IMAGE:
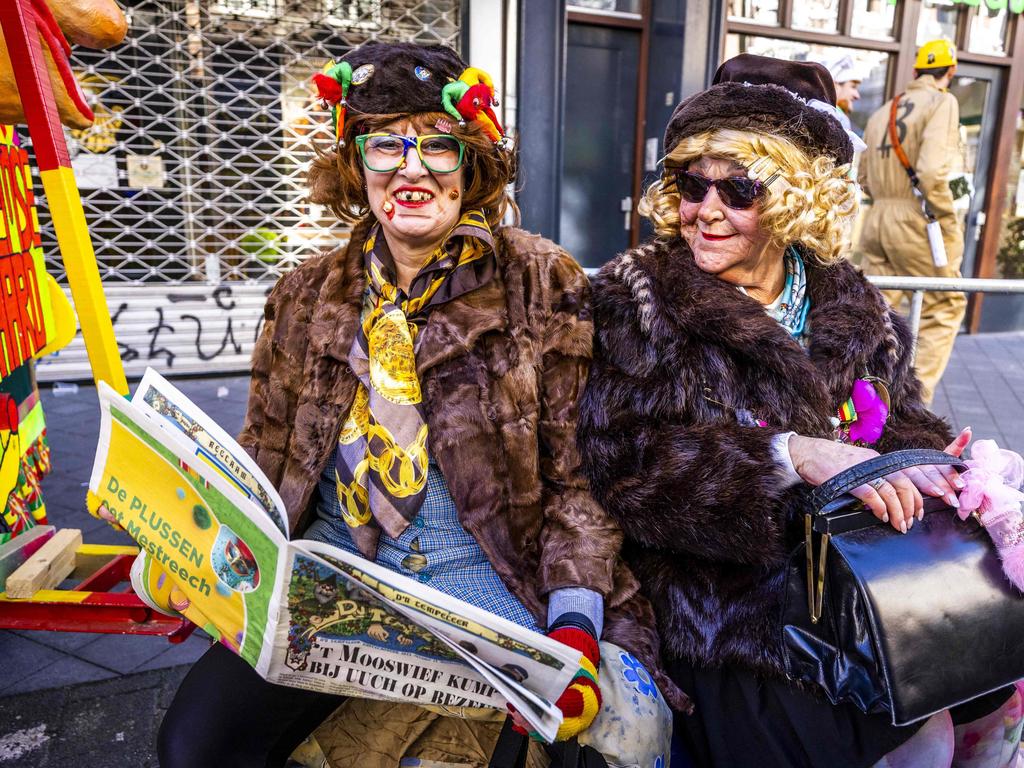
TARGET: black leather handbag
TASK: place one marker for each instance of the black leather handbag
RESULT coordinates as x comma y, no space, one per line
909,624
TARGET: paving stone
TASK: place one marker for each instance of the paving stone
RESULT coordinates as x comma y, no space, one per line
22,657
123,653
185,653
66,670
66,642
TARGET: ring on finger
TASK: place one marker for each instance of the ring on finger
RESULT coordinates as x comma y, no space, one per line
877,483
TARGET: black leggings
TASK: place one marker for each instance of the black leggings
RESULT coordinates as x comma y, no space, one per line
225,715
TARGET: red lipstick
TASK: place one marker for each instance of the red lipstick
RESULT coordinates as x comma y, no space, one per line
428,195
714,238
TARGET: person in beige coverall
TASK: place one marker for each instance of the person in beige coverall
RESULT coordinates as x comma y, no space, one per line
893,238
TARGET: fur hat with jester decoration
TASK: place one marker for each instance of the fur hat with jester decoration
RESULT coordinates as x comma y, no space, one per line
402,78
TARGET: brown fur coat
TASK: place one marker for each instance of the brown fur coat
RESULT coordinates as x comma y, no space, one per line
703,506
502,369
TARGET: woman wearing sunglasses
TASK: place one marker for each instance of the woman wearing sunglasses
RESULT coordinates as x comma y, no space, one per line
414,399
738,359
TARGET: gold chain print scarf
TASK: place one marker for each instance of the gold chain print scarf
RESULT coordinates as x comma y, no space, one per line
381,466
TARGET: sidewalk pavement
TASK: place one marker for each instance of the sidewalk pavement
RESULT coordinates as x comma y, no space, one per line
96,701
89,700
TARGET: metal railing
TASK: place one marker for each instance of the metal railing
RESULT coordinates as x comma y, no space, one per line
917,286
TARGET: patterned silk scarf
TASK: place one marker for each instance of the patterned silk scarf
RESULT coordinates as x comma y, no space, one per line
794,306
381,466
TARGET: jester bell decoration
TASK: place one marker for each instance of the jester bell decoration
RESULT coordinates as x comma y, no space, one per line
471,98
332,90
404,78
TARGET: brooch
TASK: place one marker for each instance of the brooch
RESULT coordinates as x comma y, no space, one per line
861,419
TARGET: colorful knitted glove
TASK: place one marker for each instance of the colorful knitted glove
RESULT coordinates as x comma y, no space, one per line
581,700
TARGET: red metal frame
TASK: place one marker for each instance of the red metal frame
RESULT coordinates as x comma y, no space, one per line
100,610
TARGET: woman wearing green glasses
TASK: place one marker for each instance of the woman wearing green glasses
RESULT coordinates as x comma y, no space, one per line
458,347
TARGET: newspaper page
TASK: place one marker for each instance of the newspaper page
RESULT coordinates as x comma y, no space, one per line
349,626
217,552
304,614
212,444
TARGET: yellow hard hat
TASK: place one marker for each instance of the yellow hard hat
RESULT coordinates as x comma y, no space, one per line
936,53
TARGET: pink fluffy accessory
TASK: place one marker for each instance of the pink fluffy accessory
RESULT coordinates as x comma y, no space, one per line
992,493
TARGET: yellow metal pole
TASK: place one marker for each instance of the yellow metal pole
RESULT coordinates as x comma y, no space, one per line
84,277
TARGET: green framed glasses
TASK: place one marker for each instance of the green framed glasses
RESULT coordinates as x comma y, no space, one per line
384,152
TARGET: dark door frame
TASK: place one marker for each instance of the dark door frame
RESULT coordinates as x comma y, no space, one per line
669,29
643,26
986,160
995,195
540,93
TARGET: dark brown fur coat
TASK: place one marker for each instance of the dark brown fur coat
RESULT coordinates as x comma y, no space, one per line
701,502
502,369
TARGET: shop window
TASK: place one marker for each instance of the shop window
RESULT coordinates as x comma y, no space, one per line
614,6
817,15
1010,256
938,19
757,11
873,19
874,65
988,30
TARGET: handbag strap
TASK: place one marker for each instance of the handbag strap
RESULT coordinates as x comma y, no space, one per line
877,467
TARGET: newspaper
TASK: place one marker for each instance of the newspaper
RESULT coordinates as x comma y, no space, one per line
215,548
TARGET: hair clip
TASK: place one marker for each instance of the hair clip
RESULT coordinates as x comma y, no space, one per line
761,165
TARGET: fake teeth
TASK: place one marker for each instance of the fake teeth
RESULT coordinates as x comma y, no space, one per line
408,196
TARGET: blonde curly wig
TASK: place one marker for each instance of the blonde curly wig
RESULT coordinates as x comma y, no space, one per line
815,206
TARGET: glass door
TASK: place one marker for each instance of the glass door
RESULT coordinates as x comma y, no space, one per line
602,77
977,89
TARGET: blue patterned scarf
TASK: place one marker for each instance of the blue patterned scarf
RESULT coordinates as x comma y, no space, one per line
792,312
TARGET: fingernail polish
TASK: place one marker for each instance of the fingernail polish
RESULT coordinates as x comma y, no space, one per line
959,483
920,514
910,523
903,526
935,491
952,501
885,518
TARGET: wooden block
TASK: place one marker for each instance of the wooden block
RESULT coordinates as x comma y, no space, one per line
21,548
48,567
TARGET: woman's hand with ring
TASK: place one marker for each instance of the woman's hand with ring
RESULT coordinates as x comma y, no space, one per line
939,480
896,500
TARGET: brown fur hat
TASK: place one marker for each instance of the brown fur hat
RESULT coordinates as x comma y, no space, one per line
766,95
400,78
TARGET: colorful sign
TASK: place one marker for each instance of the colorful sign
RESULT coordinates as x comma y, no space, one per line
24,297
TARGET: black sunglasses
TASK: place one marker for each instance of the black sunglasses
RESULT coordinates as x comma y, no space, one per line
737,192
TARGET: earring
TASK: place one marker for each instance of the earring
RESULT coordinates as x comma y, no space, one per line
453,194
